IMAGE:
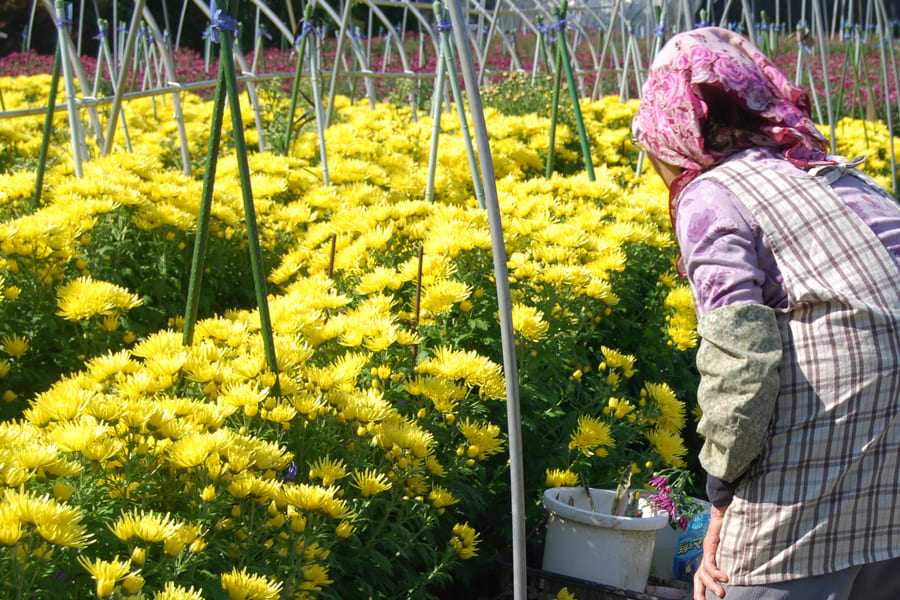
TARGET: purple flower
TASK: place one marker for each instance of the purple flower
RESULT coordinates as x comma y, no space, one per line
661,484
291,472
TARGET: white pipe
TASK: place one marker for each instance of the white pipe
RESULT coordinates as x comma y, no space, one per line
504,300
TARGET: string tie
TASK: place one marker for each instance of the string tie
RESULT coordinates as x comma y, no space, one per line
221,23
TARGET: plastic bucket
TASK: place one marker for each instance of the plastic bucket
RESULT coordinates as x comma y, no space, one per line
597,546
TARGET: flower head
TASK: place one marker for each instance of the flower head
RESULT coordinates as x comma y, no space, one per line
242,585
590,435
14,345
465,541
107,573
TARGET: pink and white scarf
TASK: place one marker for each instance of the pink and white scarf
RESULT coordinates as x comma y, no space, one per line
672,112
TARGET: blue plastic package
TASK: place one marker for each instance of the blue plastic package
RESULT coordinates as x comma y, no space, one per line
690,548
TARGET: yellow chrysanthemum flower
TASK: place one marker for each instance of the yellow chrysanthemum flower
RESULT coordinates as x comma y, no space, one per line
14,345
672,411
241,585
469,366
443,393
370,482
176,592
315,576
465,541
529,321
328,470
565,594
56,522
560,478
440,497
613,359
483,439
442,295
590,435
83,298
107,573
308,497
669,446
144,525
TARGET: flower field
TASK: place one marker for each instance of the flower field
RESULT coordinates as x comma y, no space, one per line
136,465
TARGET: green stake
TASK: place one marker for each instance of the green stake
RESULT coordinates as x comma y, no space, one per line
306,27
209,175
226,61
48,127
227,72
554,114
563,51
447,55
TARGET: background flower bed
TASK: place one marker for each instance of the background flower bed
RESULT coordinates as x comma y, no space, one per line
130,462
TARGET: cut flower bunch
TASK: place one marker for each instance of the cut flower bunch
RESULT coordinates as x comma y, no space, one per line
133,465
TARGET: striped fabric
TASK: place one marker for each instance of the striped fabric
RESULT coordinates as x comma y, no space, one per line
823,495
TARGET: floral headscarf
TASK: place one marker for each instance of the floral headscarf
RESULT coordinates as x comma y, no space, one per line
669,122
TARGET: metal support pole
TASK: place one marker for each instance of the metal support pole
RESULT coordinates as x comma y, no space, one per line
69,84
120,84
504,301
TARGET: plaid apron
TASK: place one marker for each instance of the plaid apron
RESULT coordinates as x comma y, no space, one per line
824,493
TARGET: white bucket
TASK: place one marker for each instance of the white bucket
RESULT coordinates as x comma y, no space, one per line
597,546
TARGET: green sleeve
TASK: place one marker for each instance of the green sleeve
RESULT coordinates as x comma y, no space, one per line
738,360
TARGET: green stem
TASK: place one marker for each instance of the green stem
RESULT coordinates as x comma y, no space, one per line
424,580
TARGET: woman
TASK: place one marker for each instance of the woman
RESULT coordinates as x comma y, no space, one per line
793,257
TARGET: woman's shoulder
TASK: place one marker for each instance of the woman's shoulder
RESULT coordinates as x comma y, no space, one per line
761,158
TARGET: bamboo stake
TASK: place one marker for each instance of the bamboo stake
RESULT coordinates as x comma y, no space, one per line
180,24
80,27
78,75
312,49
724,18
339,49
27,45
364,65
554,115
606,39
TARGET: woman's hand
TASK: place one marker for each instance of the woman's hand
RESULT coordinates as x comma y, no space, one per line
708,575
